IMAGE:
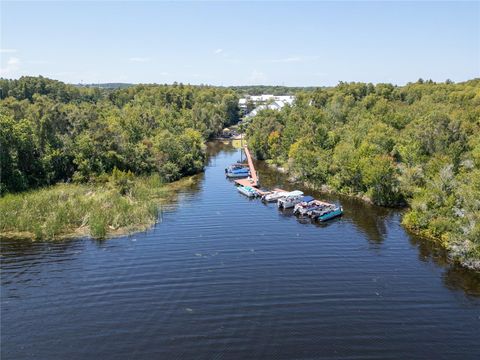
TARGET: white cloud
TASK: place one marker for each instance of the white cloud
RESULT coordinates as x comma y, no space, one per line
218,51
139,59
9,51
12,68
257,77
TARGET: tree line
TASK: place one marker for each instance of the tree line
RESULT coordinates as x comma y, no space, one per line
54,132
269,89
415,145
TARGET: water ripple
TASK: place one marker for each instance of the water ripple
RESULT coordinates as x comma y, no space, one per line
222,276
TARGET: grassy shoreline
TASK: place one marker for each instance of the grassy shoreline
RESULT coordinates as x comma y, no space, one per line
96,210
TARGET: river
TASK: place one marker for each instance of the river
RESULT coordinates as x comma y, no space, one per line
222,276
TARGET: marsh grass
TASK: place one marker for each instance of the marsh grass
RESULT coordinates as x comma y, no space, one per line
97,210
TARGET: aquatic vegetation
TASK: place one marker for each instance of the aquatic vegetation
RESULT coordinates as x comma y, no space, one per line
97,210
116,149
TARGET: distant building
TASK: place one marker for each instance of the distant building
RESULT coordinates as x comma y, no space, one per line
261,102
242,104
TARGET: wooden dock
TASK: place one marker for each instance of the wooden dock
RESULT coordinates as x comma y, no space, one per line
266,192
253,179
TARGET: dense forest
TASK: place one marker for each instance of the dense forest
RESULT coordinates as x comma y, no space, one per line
415,145
269,89
241,90
106,85
53,132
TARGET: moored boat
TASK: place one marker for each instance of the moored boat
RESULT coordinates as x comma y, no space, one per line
308,205
237,171
290,200
304,203
247,191
314,209
328,213
274,196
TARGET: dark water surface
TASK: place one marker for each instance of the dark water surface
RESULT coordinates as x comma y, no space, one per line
222,276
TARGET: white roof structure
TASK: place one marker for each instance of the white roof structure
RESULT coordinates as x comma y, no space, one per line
265,98
276,105
255,111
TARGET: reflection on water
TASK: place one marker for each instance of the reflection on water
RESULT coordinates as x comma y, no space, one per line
368,218
459,278
222,276
455,277
373,222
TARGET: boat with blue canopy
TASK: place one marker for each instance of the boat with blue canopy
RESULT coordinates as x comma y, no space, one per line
237,171
308,205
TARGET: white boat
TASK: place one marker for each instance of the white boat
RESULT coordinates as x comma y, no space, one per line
315,207
274,196
309,205
247,190
290,200
302,207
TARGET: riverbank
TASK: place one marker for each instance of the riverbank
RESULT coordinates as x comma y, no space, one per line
461,250
293,178
97,210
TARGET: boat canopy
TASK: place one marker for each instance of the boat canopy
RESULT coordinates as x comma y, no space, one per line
308,198
238,170
295,193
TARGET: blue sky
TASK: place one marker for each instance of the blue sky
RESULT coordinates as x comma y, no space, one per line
239,43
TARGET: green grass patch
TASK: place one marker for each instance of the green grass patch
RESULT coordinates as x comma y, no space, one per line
97,210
